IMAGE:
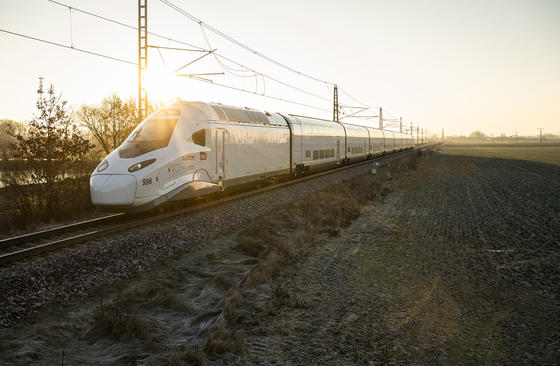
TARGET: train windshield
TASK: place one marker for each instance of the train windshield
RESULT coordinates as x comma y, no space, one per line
153,134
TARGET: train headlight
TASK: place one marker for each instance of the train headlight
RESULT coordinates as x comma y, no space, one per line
104,165
141,165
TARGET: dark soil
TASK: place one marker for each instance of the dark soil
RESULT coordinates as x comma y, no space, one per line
459,265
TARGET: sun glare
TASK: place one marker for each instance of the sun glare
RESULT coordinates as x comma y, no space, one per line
162,85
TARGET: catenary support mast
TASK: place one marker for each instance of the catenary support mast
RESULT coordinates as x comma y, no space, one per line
142,58
335,104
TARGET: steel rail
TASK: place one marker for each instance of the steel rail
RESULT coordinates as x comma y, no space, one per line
60,243
57,230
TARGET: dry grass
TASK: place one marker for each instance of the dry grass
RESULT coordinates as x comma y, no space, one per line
252,246
114,320
222,339
232,302
288,237
156,293
190,356
193,357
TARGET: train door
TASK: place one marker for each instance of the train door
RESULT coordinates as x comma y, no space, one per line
219,140
165,177
338,148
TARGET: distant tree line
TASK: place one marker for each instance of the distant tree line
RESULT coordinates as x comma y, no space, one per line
480,137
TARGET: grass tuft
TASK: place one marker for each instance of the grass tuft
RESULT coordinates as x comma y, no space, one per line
114,320
223,340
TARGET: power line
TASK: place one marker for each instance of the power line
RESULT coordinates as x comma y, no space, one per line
197,47
259,94
133,63
247,48
260,73
354,99
69,47
217,55
251,50
123,24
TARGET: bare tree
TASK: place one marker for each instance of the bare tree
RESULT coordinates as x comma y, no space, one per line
110,122
8,129
51,145
477,135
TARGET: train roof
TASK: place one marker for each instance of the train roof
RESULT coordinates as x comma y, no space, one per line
221,112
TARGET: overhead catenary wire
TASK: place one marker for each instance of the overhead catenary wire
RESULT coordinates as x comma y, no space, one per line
122,24
217,55
135,64
249,49
259,94
354,99
193,46
242,45
69,47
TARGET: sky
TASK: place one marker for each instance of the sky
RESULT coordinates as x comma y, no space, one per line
490,65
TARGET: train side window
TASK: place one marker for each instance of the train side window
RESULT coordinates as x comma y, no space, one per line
307,154
315,154
321,154
199,137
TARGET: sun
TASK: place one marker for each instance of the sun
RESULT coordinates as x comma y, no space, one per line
162,85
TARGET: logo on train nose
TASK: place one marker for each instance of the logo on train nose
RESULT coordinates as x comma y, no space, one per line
202,156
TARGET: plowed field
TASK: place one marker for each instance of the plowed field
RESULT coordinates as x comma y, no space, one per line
458,265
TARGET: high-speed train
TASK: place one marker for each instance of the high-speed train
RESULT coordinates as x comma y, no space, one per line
189,149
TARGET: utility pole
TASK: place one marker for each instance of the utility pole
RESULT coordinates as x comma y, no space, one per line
411,129
540,129
516,137
400,121
142,57
380,118
502,138
335,104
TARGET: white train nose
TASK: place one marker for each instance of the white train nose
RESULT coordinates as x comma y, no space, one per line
112,190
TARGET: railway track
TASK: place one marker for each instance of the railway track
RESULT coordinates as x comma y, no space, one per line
28,245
